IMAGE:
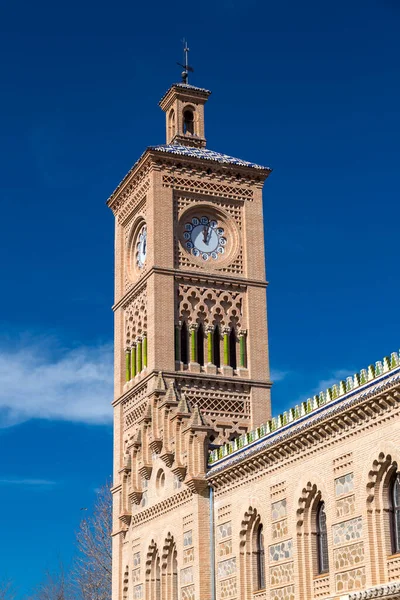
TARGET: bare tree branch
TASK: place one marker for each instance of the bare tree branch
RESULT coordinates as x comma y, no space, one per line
54,587
7,591
92,572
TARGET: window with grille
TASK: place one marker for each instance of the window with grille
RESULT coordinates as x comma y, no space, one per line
395,513
260,558
322,540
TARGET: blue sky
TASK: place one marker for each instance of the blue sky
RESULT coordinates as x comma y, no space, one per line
311,89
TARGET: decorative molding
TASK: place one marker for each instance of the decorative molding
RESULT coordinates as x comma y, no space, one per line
388,590
363,385
162,507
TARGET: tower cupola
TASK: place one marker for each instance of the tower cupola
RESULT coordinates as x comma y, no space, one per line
183,105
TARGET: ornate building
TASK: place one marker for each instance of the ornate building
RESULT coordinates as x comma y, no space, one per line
213,498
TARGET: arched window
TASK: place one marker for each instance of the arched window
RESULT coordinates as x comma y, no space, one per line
260,558
153,573
322,539
171,123
232,349
395,513
184,344
216,347
188,121
200,345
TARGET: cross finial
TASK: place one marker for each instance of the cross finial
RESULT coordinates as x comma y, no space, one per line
187,68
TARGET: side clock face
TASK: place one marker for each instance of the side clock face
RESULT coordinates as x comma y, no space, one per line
141,247
205,238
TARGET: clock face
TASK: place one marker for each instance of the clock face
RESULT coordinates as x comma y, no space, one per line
141,247
204,238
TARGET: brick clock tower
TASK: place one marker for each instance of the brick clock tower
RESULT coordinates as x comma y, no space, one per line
191,347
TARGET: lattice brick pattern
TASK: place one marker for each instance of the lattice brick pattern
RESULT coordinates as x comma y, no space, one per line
211,188
322,587
210,305
136,316
394,569
134,198
134,399
133,416
219,403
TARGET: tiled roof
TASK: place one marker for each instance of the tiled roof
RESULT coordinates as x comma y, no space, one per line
362,385
186,86
205,154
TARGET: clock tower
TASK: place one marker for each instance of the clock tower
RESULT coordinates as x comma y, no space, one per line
191,347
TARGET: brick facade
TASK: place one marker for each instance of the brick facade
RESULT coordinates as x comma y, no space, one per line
192,376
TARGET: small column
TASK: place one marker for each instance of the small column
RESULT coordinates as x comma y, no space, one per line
242,348
133,360
139,355
193,364
210,366
144,350
226,369
178,347
242,352
226,332
127,364
178,342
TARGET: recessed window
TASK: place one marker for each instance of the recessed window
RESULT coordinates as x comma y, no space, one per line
322,539
188,122
260,558
160,480
395,513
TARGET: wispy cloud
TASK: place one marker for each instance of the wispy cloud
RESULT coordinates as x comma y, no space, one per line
27,482
38,380
278,374
327,382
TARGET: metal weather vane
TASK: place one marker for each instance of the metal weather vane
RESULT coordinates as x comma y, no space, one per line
186,67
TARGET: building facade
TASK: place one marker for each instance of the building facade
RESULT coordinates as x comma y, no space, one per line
213,498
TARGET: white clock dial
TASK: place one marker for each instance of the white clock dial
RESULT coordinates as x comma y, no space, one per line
141,247
205,238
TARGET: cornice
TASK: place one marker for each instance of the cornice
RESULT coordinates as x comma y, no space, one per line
387,590
162,507
219,381
193,275
313,429
157,159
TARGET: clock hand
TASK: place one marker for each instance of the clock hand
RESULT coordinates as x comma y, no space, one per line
205,234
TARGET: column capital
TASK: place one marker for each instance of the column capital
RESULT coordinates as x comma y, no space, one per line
226,330
209,328
242,332
193,327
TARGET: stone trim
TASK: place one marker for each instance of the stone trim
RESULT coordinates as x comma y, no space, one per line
363,385
388,590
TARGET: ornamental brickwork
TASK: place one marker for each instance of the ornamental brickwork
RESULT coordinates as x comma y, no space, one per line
212,498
